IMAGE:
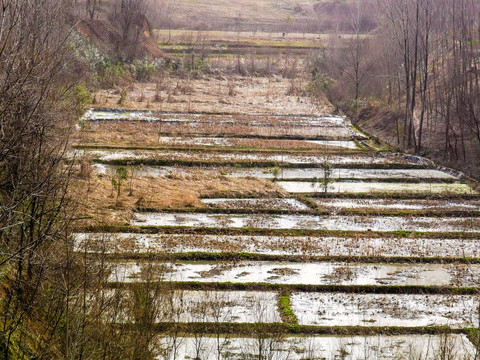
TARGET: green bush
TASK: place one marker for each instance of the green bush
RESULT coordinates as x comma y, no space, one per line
81,97
144,69
109,73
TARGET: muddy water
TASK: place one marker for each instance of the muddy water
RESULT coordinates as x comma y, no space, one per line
375,187
267,221
357,159
299,273
379,347
339,309
287,173
279,245
398,204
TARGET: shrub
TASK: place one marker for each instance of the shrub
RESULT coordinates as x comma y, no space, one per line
144,69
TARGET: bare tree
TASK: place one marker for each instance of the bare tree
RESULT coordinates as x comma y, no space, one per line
91,8
129,16
35,121
163,15
354,65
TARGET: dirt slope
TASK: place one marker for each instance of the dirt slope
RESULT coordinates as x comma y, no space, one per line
105,36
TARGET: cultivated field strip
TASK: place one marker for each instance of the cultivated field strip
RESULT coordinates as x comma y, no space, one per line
236,142
239,143
339,309
312,222
329,127
319,347
125,134
260,159
217,119
305,273
308,175
154,157
344,206
399,204
279,247
302,187
362,243
287,204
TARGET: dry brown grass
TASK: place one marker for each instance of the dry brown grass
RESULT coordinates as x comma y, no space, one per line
98,204
252,95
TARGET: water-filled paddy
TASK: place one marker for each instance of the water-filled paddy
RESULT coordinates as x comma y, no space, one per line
375,187
407,347
398,204
280,245
340,309
219,157
299,273
287,173
314,222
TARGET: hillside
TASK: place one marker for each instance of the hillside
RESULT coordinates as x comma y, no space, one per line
265,15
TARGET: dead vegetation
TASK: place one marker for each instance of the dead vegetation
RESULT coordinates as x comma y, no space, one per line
98,204
234,94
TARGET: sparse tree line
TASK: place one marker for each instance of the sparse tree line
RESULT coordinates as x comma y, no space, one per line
35,120
50,296
421,65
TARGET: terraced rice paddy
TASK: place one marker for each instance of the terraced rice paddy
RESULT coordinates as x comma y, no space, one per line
353,246
229,307
119,156
320,347
258,204
366,254
167,124
306,174
417,204
338,309
318,273
330,223
374,187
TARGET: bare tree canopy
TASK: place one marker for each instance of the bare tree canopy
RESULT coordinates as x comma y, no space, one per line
34,128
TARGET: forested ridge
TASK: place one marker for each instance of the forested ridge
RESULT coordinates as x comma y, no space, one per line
414,81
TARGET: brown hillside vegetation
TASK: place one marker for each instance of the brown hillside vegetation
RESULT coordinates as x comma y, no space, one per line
105,36
265,15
